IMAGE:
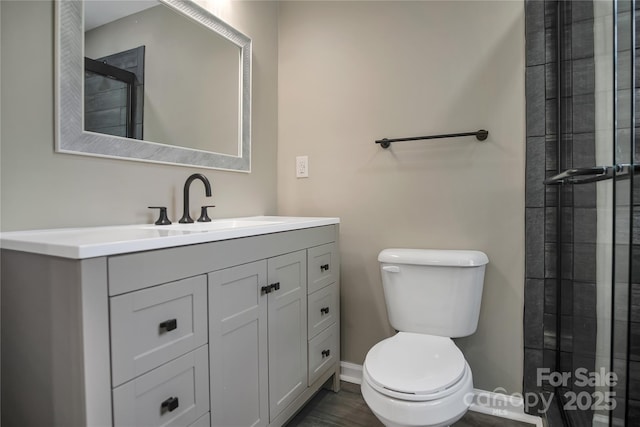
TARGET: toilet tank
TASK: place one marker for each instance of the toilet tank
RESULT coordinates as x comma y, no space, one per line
435,292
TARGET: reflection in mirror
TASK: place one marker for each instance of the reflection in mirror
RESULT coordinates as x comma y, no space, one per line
114,94
187,78
168,74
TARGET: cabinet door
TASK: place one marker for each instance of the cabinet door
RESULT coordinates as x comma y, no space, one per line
238,346
287,330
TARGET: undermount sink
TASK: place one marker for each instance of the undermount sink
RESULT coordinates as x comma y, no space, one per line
215,225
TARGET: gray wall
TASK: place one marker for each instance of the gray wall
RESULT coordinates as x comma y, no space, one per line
43,189
354,72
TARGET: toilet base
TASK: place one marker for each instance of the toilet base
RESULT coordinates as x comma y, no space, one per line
432,413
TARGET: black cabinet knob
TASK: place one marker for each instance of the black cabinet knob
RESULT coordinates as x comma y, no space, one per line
324,310
163,219
204,217
169,405
265,289
324,267
275,286
326,353
168,325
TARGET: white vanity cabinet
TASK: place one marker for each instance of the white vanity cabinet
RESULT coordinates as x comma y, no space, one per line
239,319
260,307
287,315
235,332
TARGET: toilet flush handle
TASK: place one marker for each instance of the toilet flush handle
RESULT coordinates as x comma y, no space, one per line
391,268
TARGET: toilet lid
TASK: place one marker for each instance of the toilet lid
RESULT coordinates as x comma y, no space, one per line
415,363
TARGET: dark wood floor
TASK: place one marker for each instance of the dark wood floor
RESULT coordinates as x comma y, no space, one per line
348,409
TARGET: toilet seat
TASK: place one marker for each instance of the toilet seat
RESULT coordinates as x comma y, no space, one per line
415,367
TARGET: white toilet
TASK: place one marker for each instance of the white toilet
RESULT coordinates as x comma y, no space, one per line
419,377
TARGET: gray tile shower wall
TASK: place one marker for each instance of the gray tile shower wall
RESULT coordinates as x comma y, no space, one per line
540,210
559,295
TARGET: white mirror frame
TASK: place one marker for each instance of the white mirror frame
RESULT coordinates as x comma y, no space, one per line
73,139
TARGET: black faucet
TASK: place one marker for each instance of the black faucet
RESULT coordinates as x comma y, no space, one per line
186,218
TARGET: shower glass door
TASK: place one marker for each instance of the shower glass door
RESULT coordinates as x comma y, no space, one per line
595,152
624,351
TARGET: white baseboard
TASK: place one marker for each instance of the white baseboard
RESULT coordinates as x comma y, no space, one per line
503,406
351,373
486,402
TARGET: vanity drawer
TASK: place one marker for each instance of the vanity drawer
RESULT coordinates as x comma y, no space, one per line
323,352
323,266
322,309
175,394
155,325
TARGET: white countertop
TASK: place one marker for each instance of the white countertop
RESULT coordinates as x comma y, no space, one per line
90,242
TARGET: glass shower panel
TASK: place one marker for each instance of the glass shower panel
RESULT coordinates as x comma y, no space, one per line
592,326
621,354
595,128
586,219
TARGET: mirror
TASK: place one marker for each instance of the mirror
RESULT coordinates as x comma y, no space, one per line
164,82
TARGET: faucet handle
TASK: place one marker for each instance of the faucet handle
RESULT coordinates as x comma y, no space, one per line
163,219
203,214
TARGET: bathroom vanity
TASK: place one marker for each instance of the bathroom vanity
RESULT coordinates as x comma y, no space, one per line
230,323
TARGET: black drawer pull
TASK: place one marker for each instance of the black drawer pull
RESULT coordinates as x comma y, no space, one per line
324,310
169,325
170,404
326,353
324,267
265,289
275,286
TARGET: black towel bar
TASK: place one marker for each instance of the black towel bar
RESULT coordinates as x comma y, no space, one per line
481,135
